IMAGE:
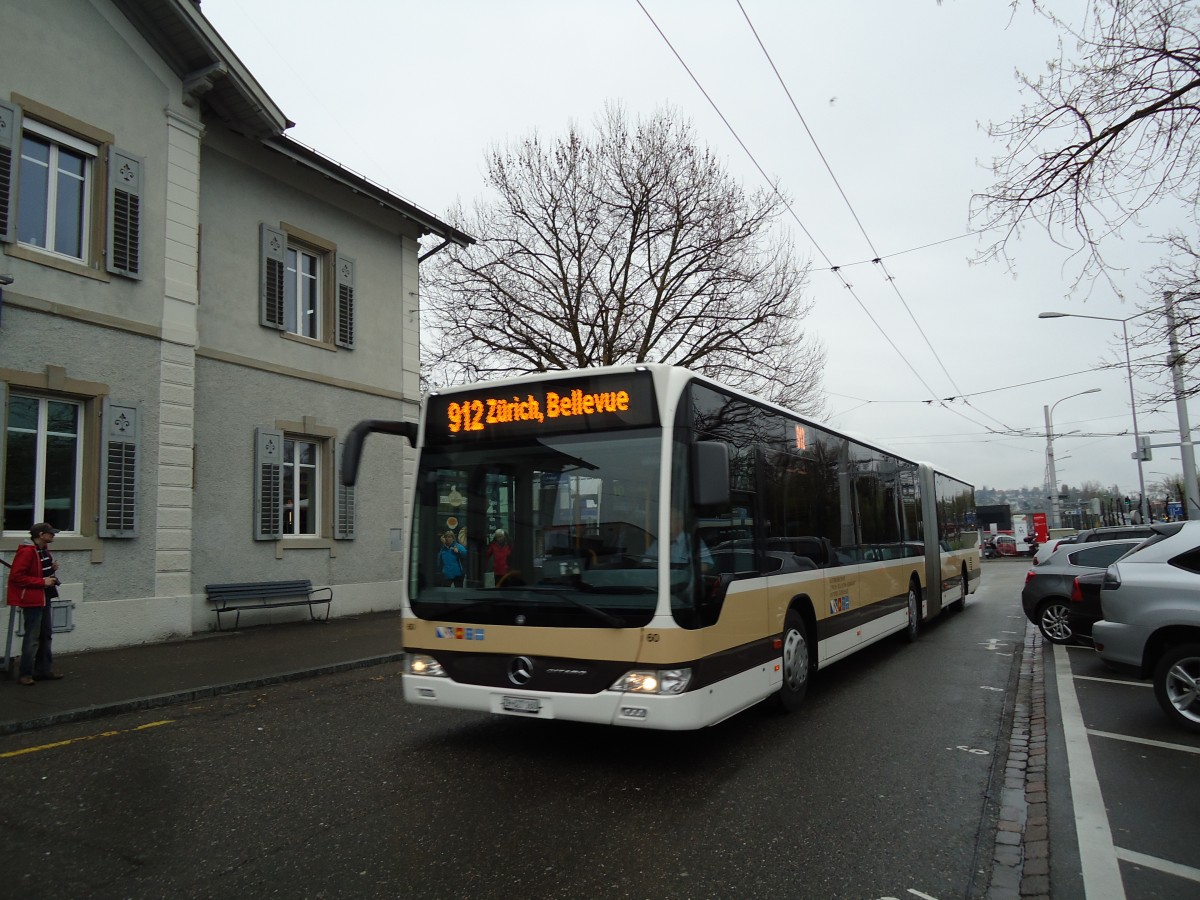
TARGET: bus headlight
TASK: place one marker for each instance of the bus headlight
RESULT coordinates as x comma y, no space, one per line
421,664
653,681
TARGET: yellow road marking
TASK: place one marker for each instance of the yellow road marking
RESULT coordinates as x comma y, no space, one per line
90,737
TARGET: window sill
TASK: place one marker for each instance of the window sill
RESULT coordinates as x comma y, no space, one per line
63,543
301,339
305,543
50,260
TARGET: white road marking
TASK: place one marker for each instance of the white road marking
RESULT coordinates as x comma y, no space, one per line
1097,856
1149,743
1141,684
1162,865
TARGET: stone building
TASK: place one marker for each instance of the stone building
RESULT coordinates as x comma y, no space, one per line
198,308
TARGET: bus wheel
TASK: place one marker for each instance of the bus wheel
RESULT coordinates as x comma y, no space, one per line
961,603
797,662
914,612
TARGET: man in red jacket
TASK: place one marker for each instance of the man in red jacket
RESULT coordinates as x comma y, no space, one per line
32,584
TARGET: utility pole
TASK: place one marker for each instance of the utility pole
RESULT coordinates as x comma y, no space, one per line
1051,475
1191,504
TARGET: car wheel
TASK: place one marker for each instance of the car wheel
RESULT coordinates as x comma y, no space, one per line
797,662
1053,621
961,603
1177,685
914,612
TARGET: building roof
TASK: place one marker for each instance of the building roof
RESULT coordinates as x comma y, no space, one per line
213,76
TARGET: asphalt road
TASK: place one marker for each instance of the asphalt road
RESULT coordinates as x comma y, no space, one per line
333,787
1134,780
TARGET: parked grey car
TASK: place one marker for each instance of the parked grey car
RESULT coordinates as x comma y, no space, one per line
1113,532
1046,597
1151,626
1103,533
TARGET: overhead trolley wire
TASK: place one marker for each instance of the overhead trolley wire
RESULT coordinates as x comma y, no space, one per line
877,258
816,244
787,205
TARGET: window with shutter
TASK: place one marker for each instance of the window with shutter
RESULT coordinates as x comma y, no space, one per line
118,470
10,132
57,208
306,288
315,507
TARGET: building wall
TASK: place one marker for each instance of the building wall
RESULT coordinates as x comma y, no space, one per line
81,63
185,344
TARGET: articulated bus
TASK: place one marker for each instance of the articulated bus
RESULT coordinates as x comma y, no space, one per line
786,546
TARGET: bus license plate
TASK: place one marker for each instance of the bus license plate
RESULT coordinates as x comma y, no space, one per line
521,704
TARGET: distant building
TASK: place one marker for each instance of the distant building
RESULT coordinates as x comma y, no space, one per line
999,515
200,309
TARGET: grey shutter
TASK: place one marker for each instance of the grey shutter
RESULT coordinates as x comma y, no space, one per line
344,499
273,256
268,484
118,470
3,436
125,186
344,336
10,154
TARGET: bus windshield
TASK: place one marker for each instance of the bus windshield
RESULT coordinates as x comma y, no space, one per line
552,530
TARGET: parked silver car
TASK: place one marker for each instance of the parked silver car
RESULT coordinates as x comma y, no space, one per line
1046,597
1151,626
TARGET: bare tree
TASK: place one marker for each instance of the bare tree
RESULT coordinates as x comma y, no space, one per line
628,245
1113,128
1175,281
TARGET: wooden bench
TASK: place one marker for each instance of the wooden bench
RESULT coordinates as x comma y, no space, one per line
243,595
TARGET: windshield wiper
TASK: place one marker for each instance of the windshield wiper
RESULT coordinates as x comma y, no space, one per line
469,604
616,589
491,601
607,618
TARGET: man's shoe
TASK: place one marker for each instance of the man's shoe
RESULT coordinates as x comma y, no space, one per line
49,676
26,680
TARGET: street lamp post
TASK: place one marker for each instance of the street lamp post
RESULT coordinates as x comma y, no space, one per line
1137,439
1051,475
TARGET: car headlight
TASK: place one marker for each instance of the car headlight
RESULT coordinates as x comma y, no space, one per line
421,664
653,681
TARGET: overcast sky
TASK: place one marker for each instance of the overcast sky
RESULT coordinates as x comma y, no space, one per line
896,95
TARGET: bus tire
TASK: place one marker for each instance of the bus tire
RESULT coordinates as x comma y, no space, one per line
797,662
961,603
913,629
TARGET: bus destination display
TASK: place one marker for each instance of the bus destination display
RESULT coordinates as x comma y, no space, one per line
590,403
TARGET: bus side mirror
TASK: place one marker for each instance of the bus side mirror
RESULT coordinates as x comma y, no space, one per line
352,450
710,473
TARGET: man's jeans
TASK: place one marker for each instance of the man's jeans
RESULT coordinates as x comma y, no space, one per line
36,660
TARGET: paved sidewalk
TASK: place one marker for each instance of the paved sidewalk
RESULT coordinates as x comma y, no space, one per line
103,682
